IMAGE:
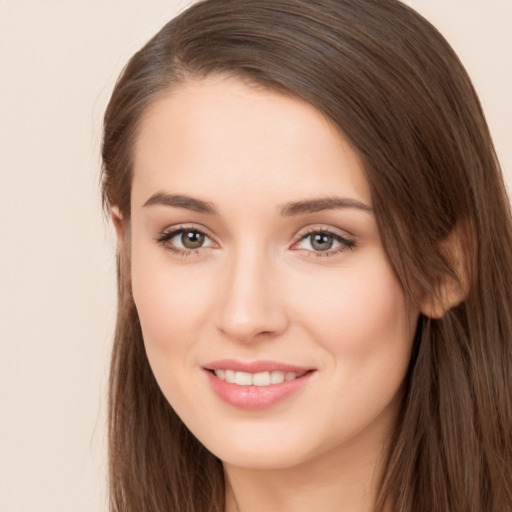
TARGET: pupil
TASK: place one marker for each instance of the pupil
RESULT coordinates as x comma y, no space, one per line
322,242
192,239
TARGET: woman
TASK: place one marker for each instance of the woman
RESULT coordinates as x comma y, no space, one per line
314,267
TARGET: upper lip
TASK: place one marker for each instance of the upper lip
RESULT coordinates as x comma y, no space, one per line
254,366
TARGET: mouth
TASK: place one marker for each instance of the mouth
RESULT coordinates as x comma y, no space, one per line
258,385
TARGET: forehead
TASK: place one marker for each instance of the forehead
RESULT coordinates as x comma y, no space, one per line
220,135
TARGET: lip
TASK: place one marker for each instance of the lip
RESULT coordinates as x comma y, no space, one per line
254,366
253,398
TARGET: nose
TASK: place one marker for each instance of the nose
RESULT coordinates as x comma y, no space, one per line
250,306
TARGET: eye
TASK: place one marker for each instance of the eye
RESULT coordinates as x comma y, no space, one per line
323,242
190,239
184,240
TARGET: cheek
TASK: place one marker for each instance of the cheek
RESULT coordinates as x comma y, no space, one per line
364,328
356,305
359,316
172,303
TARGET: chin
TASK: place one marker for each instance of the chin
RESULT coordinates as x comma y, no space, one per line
261,459
261,450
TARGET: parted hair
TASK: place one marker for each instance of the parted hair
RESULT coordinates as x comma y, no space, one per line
395,88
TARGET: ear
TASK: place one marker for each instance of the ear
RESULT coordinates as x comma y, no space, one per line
117,221
448,295
454,287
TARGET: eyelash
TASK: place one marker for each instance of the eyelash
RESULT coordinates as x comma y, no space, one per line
166,236
346,244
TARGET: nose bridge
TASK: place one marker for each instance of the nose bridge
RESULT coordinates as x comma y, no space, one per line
251,304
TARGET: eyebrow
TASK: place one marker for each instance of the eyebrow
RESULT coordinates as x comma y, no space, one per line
288,209
321,204
180,201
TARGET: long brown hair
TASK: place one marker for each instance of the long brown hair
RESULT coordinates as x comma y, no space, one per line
396,89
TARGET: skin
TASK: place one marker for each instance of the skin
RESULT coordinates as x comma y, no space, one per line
258,289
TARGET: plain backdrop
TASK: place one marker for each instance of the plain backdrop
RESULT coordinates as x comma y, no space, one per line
58,64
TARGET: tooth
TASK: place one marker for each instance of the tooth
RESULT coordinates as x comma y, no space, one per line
243,379
255,379
276,377
261,379
230,376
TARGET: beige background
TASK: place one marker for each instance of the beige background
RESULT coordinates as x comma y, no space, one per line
58,63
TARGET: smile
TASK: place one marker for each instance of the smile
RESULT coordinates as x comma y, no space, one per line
265,378
257,385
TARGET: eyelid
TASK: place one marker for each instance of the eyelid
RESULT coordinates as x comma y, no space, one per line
322,228
184,227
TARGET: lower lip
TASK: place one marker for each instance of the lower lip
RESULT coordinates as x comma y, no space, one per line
255,398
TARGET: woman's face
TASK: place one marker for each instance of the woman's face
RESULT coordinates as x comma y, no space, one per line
255,258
